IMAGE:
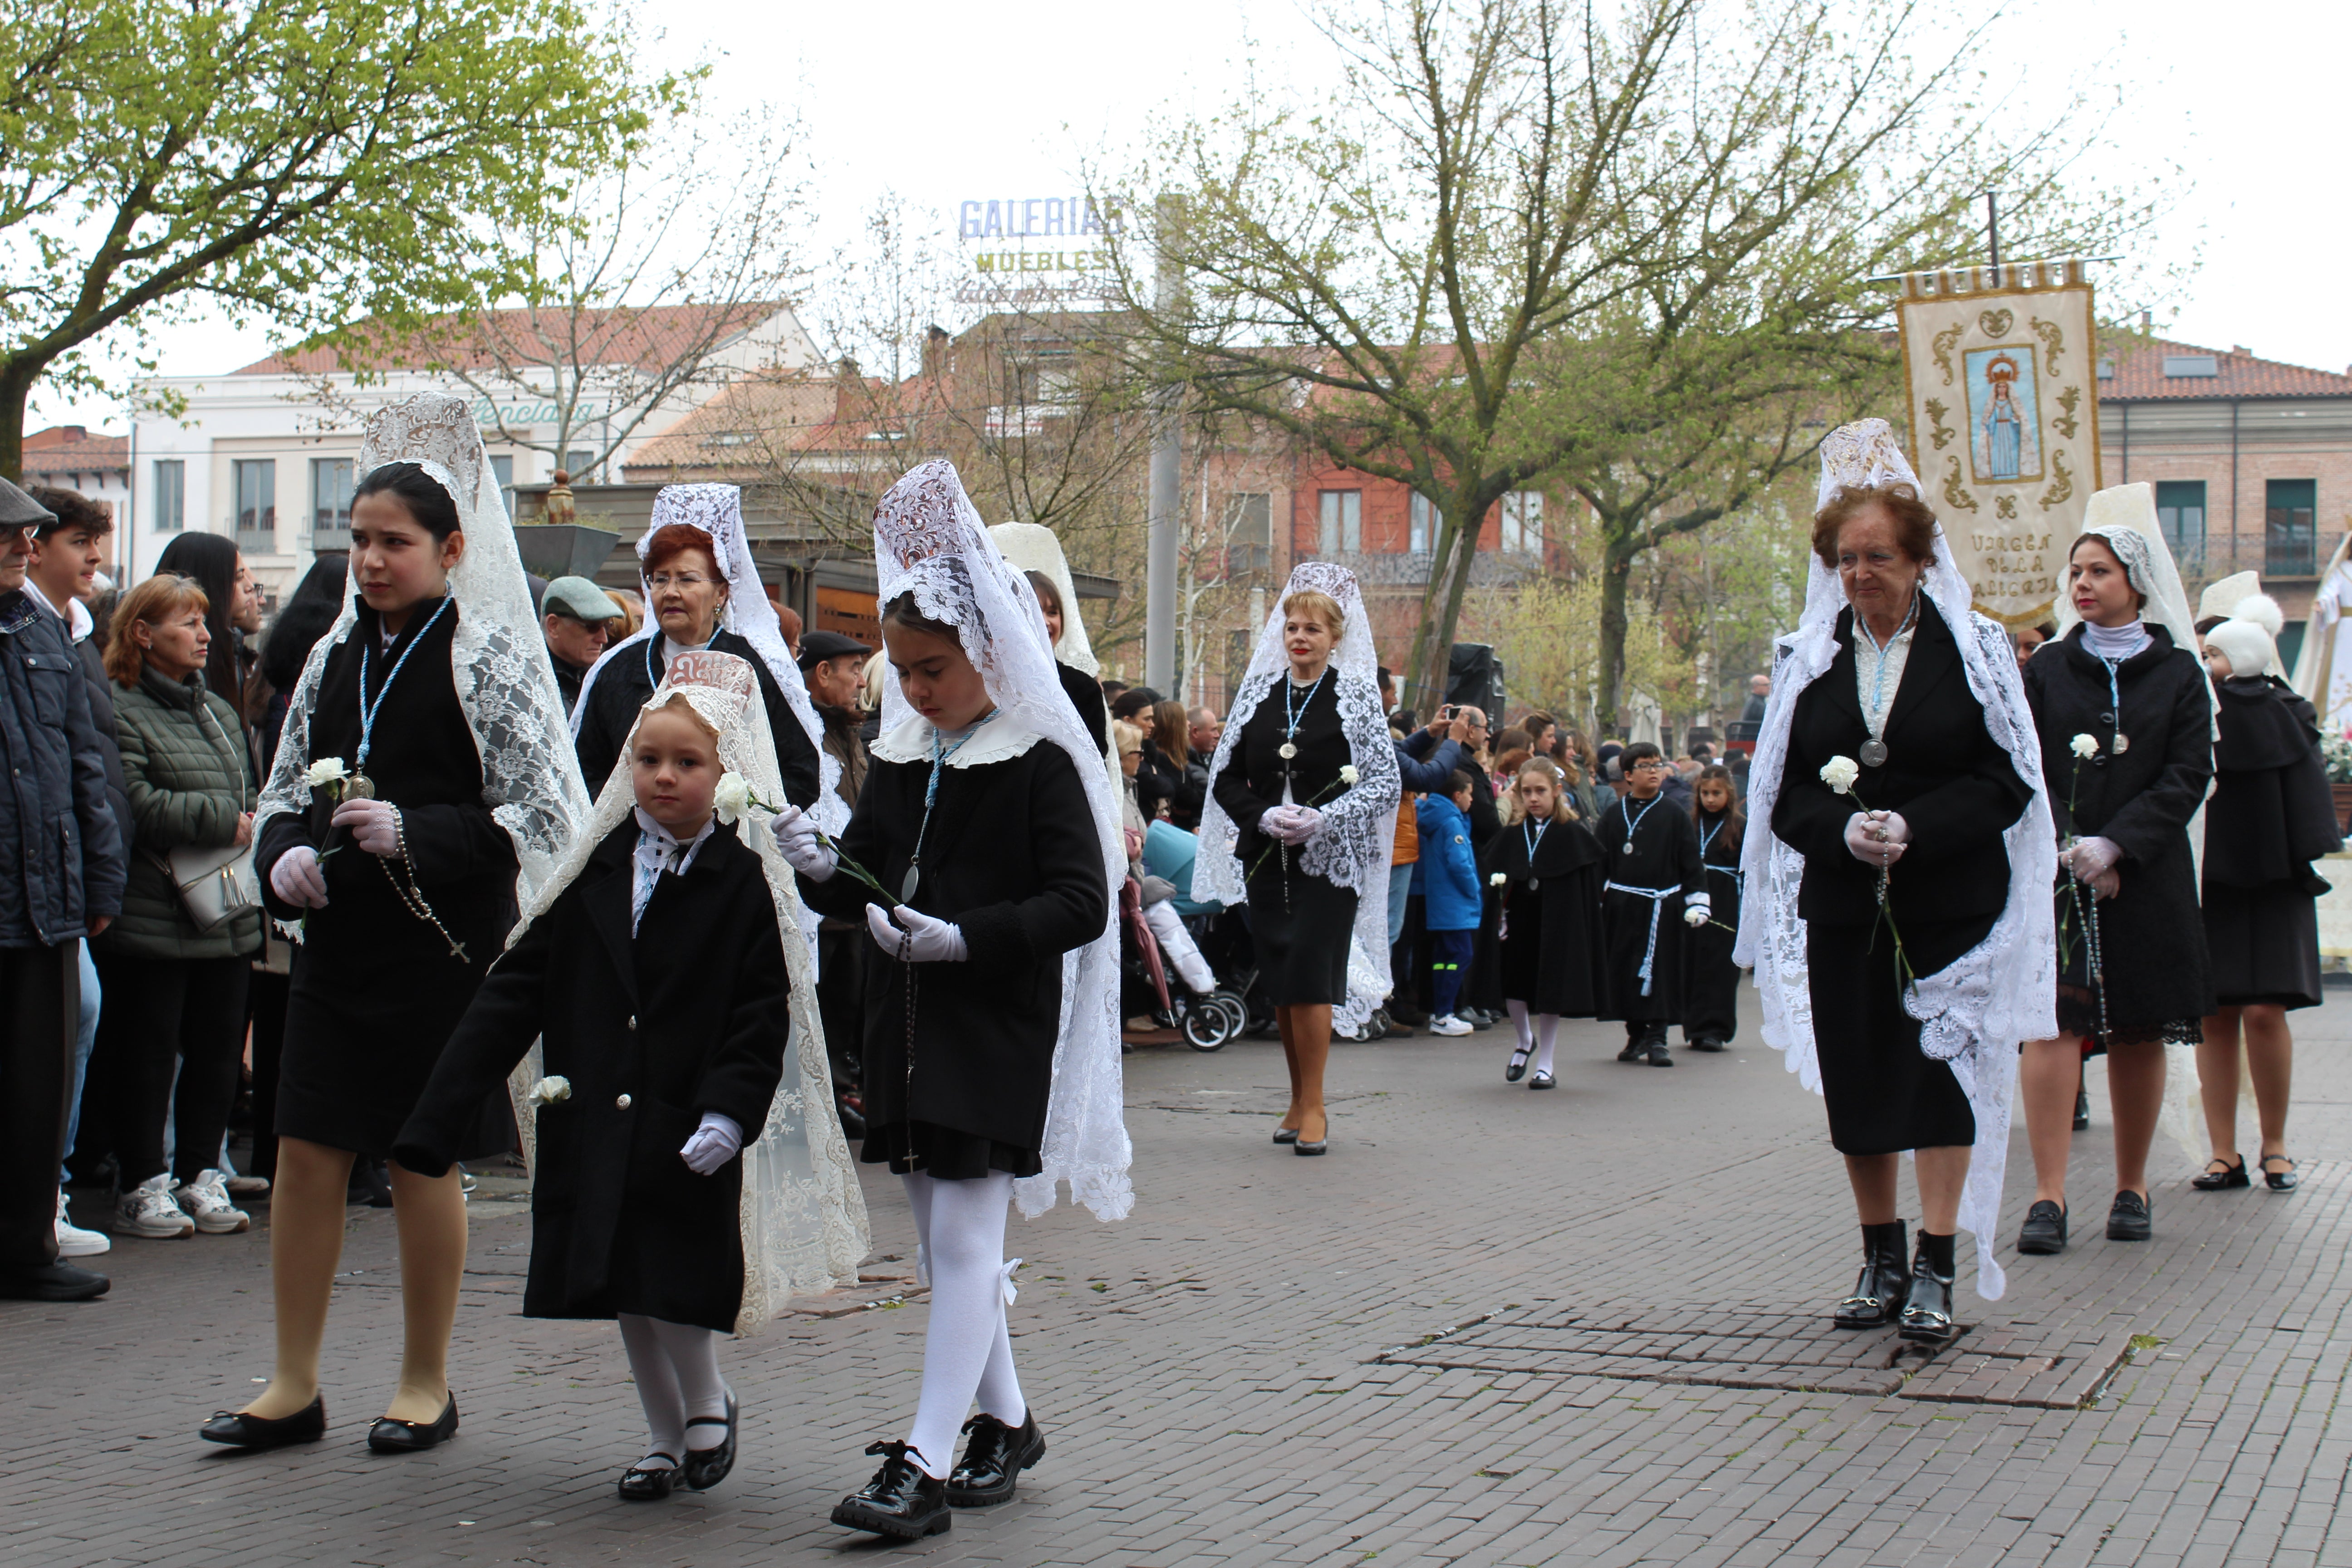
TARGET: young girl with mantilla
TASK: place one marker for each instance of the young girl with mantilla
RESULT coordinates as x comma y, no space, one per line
1547,870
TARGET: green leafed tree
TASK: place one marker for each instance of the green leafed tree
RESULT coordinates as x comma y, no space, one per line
311,164
1619,248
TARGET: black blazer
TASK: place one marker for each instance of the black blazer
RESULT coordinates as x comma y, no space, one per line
1012,858
622,688
2271,813
1955,787
690,1014
1250,783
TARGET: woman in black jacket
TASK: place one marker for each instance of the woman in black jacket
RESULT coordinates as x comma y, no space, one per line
2272,814
1171,781
2124,716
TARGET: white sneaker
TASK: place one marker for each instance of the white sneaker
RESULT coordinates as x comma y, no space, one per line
205,1200
247,1186
1449,1024
147,1210
75,1242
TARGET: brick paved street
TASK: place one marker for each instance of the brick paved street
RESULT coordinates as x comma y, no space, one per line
1247,1371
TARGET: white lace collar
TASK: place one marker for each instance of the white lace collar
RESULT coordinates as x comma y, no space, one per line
910,742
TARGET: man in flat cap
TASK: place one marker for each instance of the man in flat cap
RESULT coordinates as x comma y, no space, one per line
578,617
834,668
61,875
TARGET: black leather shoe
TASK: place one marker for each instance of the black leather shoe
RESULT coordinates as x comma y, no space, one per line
1658,1056
1927,1304
1516,1068
2044,1231
239,1430
1878,1292
639,1484
1542,1080
2082,1109
901,1499
2212,1181
52,1282
993,1460
1707,1045
706,1467
2130,1220
2279,1181
1635,1050
1285,1134
391,1437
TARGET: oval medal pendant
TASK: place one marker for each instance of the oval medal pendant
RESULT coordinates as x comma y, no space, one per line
1534,886
2123,743
1287,752
908,883
1874,754
358,786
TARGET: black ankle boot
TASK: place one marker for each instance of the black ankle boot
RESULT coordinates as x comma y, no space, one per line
1928,1306
1878,1293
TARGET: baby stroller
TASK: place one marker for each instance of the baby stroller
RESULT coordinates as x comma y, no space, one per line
1204,1013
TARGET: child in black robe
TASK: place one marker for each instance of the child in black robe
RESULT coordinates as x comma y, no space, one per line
1711,994
1545,867
1652,885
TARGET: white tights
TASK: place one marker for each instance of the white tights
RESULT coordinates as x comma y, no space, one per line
676,1368
968,1351
1545,1036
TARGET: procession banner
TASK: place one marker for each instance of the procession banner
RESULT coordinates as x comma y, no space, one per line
2002,372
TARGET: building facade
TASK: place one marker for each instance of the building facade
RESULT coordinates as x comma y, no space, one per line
69,457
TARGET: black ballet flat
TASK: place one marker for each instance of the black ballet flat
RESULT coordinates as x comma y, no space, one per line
993,1460
639,1484
1317,1147
1541,1080
1285,1134
900,1501
391,1437
240,1430
1708,1045
2212,1181
2044,1231
1518,1069
1927,1306
706,1467
2279,1181
1879,1290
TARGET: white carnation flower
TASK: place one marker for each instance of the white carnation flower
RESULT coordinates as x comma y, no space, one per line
326,771
733,798
1839,773
1349,775
549,1089
1497,881
2085,746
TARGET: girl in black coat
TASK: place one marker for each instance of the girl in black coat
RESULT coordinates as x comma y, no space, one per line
1544,869
657,982
1711,978
2125,716
2272,814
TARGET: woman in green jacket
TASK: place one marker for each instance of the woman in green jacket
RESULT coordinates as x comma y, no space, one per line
175,991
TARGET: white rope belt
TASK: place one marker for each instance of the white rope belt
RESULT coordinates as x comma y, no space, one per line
1657,897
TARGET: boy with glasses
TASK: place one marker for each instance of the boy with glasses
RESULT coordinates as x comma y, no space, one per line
1653,886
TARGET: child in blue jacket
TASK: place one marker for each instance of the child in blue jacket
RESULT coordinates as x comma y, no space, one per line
1449,873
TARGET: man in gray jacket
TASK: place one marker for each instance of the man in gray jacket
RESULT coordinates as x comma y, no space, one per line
61,875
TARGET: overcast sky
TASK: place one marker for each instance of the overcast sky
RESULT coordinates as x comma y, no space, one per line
948,101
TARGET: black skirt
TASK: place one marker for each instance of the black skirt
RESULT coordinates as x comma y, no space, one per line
2264,943
1301,927
1885,1094
944,1154
1521,952
1711,980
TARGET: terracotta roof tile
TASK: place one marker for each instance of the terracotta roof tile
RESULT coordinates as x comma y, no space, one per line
84,455
651,338
2140,374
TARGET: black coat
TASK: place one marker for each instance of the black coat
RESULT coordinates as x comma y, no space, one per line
1250,783
101,714
375,990
1944,774
62,858
2151,935
2271,813
1711,986
1085,693
1550,955
1012,858
688,1015
628,677
1653,846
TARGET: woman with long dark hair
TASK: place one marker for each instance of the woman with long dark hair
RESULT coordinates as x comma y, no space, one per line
233,608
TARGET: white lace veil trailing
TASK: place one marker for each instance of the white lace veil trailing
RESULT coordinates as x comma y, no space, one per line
718,510
929,541
531,778
1358,831
1974,1011
1033,547
803,1215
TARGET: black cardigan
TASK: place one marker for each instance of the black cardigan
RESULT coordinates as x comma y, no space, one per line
2271,813
690,1014
1011,858
1955,787
622,687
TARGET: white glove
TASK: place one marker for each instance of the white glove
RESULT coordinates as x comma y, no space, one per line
929,940
1697,909
296,877
1307,821
796,839
2092,857
375,824
716,1142
1290,823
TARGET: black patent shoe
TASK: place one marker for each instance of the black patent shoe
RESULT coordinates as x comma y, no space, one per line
1542,1080
1928,1305
2130,1220
240,1430
391,1437
1285,1134
901,1499
51,1282
1879,1290
641,1483
993,1460
2082,1109
706,1467
2279,1181
2043,1234
2212,1181
1517,1068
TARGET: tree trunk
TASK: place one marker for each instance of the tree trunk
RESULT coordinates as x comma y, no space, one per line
16,379
1441,611
1615,571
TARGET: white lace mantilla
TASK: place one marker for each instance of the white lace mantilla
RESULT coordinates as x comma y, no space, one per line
1974,1011
1352,847
929,541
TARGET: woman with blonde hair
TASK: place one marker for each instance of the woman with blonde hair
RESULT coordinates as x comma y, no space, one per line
1300,820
